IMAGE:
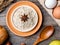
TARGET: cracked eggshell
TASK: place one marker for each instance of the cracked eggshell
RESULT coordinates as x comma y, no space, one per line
50,3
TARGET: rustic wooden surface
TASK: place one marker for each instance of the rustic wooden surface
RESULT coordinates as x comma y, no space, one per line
47,20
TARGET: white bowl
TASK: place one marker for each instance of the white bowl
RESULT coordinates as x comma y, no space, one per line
15,19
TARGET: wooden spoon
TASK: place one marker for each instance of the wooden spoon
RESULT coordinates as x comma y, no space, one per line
45,34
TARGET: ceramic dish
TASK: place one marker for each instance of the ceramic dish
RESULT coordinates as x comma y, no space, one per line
27,24
9,14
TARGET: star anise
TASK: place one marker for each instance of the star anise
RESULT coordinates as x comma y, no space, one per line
24,18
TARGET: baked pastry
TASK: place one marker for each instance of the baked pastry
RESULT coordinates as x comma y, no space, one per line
3,34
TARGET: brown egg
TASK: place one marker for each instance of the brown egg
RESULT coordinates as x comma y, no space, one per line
56,12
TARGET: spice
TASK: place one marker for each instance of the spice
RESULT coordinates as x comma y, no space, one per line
24,18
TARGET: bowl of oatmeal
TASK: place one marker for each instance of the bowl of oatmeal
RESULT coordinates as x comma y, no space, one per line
24,18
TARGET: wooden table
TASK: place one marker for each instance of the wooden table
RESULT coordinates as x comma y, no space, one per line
47,20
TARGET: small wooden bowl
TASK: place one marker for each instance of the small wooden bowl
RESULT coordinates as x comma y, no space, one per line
9,23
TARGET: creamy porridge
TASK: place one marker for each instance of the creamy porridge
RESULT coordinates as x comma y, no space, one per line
24,18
